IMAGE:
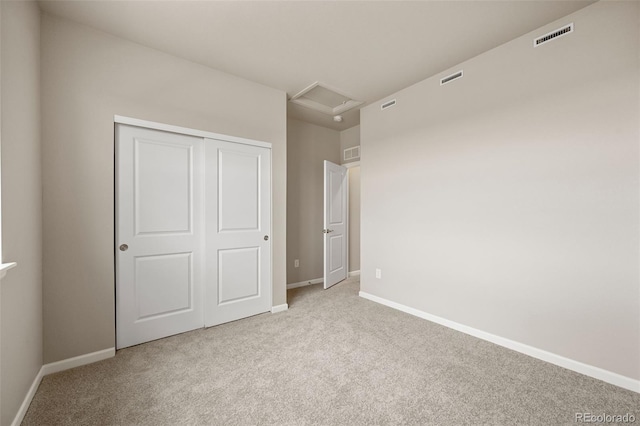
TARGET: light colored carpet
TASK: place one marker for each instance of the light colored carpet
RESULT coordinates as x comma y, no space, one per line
332,359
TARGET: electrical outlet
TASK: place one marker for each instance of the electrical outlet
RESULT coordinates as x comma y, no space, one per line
296,263
378,273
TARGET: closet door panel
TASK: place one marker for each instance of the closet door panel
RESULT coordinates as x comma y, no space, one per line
159,234
238,202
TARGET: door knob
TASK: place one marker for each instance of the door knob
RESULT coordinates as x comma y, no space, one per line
326,231
124,247
266,238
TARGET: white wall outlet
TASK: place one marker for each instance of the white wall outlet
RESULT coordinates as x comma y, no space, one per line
378,273
296,263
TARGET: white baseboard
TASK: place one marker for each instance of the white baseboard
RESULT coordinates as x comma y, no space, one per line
304,283
570,364
56,367
78,361
317,281
279,308
22,411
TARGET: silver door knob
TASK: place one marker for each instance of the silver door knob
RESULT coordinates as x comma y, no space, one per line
266,238
326,231
124,247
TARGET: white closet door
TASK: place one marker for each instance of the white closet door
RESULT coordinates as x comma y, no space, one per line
238,215
159,234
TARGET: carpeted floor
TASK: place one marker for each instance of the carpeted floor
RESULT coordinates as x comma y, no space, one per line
332,359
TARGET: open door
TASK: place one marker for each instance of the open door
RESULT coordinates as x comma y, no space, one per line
335,223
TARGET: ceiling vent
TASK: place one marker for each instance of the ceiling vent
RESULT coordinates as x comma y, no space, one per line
388,104
352,153
553,35
450,78
325,99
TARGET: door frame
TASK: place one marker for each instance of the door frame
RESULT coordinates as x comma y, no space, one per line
119,119
349,165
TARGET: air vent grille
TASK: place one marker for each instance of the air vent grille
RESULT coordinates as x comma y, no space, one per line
451,77
388,104
352,153
553,35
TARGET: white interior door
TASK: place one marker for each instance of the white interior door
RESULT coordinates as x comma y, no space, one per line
238,215
159,234
335,223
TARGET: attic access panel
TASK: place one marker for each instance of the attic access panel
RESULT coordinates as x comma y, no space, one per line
325,99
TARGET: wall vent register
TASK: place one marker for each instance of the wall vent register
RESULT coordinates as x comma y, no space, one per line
352,153
388,104
553,35
450,78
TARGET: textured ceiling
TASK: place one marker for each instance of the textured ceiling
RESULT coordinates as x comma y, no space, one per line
367,49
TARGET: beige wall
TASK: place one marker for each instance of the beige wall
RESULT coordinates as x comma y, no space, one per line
349,138
21,330
87,77
354,218
508,201
308,146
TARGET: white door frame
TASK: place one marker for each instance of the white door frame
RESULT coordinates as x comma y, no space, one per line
119,119
350,165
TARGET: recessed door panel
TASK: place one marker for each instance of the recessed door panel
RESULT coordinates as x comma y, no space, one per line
163,199
164,284
238,274
239,191
336,262
336,207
